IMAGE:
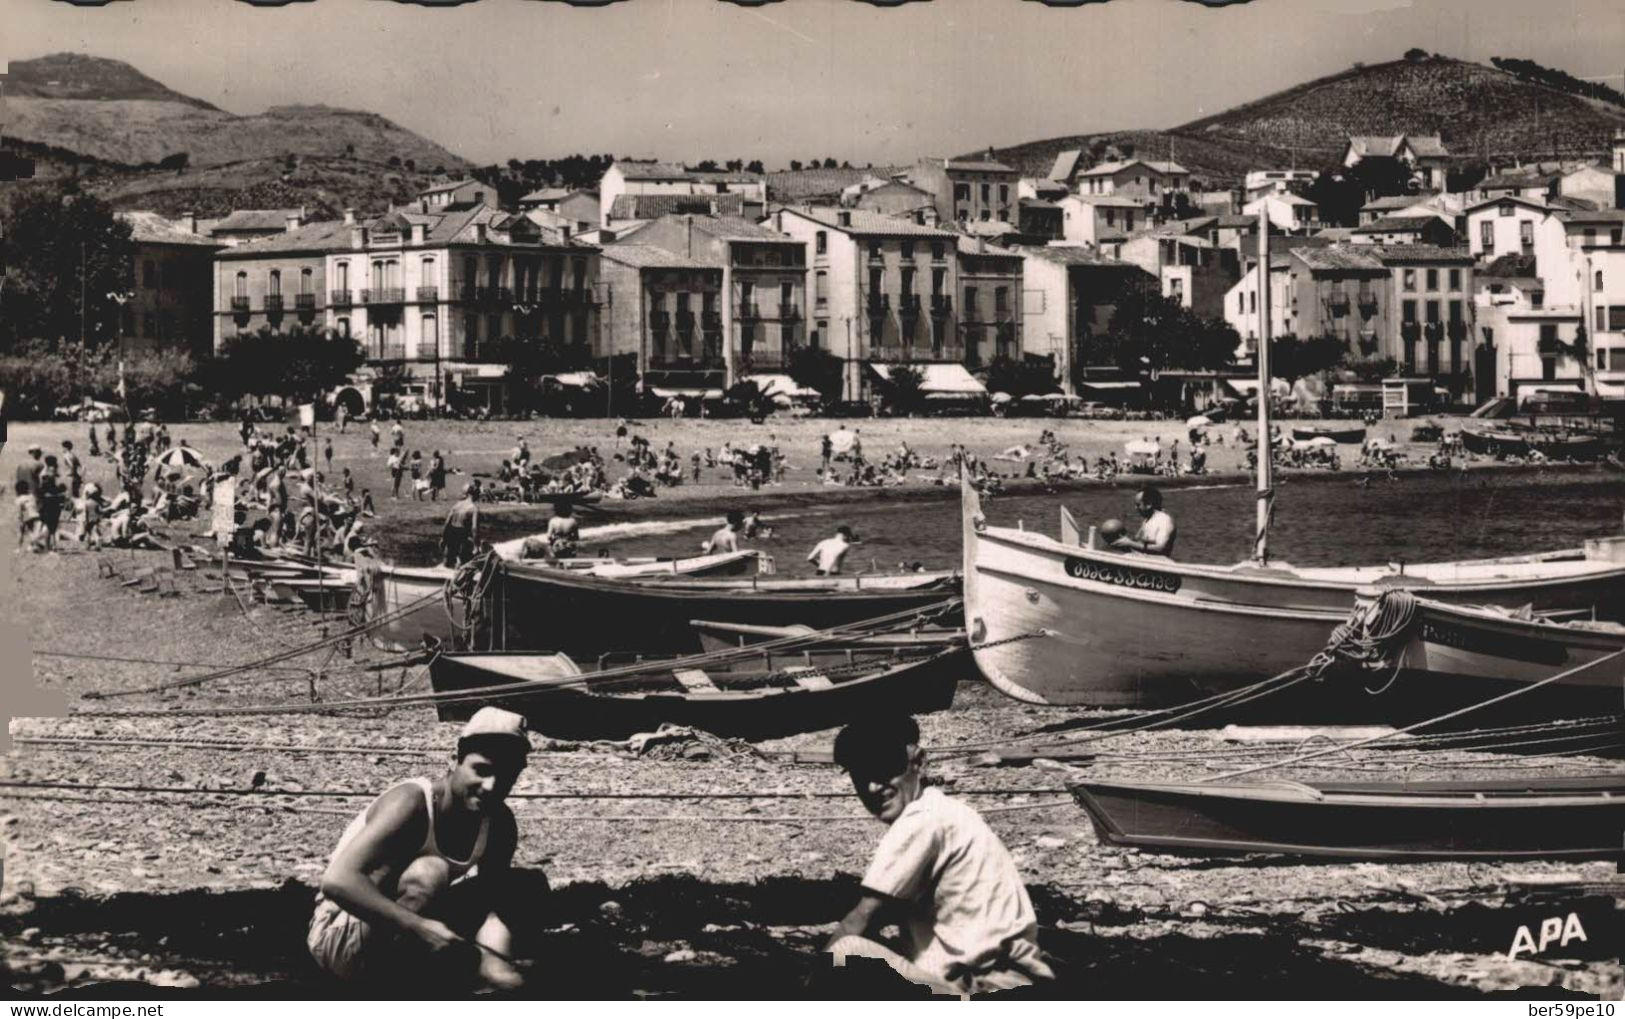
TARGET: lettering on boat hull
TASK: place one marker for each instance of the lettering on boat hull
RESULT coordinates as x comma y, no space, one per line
1122,576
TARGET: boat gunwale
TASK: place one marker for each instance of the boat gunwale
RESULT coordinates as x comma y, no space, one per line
1039,542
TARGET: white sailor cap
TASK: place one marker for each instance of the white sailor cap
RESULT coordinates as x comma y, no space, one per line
493,721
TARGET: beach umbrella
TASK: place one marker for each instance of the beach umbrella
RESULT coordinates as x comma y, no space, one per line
1199,421
1001,398
1318,442
1142,447
180,457
841,440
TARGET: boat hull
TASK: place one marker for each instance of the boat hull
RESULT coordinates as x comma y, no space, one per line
1347,436
1558,818
1454,655
529,609
1056,623
581,712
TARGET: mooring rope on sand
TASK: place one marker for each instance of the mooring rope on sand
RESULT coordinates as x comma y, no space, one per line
1344,747
892,620
268,661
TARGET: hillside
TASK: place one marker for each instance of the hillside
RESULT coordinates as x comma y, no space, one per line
818,184
329,184
78,76
107,110
1479,111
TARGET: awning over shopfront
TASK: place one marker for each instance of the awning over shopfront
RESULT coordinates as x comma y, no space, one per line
940,380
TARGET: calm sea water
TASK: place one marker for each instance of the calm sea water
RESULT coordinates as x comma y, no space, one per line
1319,522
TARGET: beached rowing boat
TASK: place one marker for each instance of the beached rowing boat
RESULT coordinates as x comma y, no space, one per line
386,590
529,608
749,699
1349,436
721,636
1544,818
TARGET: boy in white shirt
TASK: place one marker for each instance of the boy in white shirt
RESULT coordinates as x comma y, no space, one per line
939,873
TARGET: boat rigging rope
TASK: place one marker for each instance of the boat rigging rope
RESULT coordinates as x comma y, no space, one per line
270,660
892,620
1343,747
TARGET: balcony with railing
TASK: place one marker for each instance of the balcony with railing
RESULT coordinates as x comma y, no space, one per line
339,298
748,311
240,305
1338,304
761,359
304,302
392,352
685,321
942,304
878,304
678,360
711,319
789,312
273,304
383,295
659,321
908,305
428,295
1367,303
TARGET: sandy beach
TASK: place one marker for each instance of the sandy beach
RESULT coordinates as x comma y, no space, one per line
702,868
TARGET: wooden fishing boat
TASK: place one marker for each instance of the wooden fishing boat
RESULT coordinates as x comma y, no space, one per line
1496,442
319,595
1570,445
526,607
1429,656
1060,622
722,636
1123,629
1544,818
387,591
1348,436
750,700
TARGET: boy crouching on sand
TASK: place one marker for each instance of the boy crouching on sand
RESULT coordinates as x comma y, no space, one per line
416,885
939,873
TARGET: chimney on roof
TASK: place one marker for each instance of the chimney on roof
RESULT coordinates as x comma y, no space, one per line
349,217
358,237
844,217
420,234
291,222
189,222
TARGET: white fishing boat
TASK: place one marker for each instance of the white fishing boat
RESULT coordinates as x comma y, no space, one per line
1063,621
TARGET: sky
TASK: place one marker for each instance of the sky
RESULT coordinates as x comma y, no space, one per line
798,79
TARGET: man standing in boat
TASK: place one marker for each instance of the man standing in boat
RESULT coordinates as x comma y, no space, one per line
1156,535
940,873
461,534
563,531
417,886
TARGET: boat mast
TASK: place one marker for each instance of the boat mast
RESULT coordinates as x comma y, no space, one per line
1266,497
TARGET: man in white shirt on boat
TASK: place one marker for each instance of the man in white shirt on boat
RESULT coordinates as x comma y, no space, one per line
940,873
416,884
1156,535
828,554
